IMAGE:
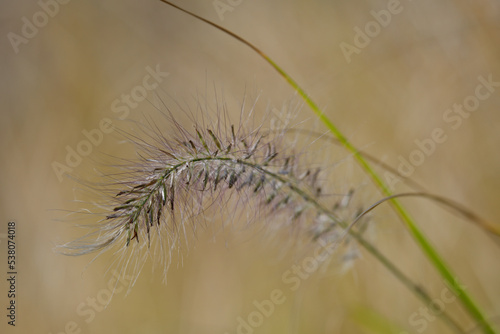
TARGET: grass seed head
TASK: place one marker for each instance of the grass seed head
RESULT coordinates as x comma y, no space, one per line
163,196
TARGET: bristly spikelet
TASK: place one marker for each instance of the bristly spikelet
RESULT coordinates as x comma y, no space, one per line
155,201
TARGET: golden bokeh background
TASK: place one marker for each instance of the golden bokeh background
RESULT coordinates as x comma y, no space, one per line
64,78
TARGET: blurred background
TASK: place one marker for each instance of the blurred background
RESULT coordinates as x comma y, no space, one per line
65,68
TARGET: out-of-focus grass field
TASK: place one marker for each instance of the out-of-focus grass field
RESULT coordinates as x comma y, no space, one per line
393,92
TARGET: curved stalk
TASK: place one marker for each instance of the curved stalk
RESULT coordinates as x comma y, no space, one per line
428,249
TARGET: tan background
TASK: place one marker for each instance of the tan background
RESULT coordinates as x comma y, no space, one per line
394,92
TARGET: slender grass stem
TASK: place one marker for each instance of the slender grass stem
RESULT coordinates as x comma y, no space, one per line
431,253
417,290
426,246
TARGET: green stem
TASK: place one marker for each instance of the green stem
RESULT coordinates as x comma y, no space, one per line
404,279
418,236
